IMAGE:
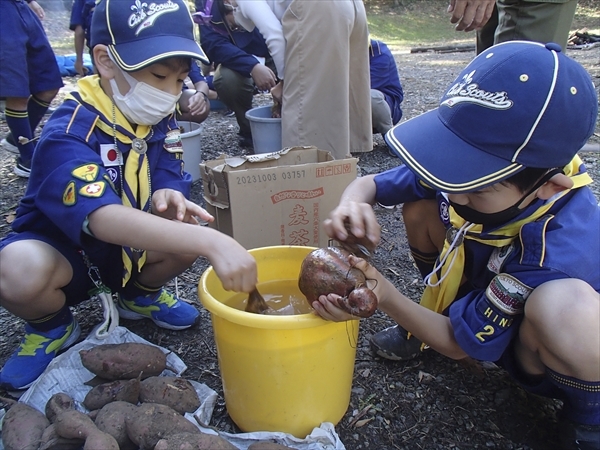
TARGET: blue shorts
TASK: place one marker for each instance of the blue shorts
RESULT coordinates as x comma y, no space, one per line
27,62
78,289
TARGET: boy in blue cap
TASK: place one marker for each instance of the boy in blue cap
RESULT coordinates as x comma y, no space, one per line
502,226
108,194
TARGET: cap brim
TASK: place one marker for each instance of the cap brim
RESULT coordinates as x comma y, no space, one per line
444,161
134,56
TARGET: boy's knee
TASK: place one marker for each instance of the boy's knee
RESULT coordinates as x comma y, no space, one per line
565,297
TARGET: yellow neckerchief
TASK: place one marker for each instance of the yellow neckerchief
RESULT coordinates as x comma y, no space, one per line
136,175
440,293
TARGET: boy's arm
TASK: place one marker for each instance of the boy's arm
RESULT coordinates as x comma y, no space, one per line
79,42
234,266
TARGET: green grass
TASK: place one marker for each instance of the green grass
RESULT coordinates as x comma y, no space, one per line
427,23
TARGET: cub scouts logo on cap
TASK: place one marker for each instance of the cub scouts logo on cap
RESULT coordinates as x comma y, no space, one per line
145,15
467,91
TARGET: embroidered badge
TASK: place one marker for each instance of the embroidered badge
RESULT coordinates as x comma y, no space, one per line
507,294
173,142
93,189
498,257
69,198
107,176
87,172
113,174
110,155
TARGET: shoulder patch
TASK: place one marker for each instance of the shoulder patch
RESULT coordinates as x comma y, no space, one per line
69,196
508,294
110,155
87,172
173,142
93,189
498,257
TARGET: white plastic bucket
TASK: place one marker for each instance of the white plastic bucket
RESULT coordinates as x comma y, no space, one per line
192,147
266,131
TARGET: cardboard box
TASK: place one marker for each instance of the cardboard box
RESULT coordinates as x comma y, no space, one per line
278,198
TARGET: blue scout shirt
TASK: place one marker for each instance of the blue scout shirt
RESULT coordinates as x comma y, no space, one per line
234,50
489,308
77,170
385,78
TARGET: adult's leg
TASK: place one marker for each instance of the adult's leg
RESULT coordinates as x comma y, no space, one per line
534,21
485,36
236,91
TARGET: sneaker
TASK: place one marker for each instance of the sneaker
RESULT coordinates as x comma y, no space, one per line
229,113
577,436
164,309
34,353
22,169
9,144
393,343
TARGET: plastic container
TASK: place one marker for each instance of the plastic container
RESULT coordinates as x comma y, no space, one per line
280,373
192,147
266,131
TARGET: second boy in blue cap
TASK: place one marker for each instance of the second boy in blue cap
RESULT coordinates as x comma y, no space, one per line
108,193
502,226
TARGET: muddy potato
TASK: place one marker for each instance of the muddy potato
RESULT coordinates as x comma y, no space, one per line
152,422
23,427
328,271
58,403
72,424
111,419
176,392
52,441
194,441
118,390
124,361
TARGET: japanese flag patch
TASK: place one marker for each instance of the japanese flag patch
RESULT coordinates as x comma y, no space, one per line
508,294
111,156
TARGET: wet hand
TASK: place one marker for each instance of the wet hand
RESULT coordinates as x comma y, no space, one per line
173,205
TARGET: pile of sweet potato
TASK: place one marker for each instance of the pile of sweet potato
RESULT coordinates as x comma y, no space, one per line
131,407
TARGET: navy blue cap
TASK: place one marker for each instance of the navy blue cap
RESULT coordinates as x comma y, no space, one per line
518,104
139,33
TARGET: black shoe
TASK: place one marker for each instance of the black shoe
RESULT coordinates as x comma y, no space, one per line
577,436
245,142
392,343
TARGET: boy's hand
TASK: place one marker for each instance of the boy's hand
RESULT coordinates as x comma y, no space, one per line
173,205
361,218
235,267
198,104
37,9
327,306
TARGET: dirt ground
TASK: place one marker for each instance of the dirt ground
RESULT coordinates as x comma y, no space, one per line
429,403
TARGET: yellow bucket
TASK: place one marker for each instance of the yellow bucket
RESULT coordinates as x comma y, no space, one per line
280,373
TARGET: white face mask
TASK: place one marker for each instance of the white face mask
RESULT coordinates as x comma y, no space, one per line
143,104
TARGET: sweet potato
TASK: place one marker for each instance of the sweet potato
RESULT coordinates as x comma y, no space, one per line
52,441
194,441
152,421
118,390
328,271
112,420
176,392
23,427
73,424
124,361
58,403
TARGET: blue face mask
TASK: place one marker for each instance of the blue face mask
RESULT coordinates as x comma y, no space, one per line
500,217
